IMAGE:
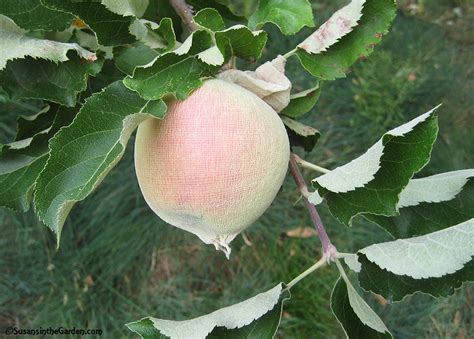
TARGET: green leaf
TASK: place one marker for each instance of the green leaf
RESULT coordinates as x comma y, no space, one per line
14,44
436,188
300,134
33,15
427,217
111,29
241,8
256,317
395,287
209,18
22,161
427,256
127,58
219,5
153,35
243,42
178,72
352,261
18,182
289,16
162,9
303,102
86,38
343,310
83,153
170,74
145,329
264,327
29,125
372,183
127,7
333,63
237,40
363,311
362,170
40,79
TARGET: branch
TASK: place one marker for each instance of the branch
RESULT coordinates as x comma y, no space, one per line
185,12
329,250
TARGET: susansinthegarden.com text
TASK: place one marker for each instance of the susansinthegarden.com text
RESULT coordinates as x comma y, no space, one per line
12,330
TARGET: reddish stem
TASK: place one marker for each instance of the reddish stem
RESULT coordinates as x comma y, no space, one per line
329,250
185,12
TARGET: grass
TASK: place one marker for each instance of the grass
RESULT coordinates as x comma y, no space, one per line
118,262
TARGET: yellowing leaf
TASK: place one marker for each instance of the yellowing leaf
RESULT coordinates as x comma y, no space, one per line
339,24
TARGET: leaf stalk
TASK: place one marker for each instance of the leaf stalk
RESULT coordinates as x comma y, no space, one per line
311,166
320,263
290,53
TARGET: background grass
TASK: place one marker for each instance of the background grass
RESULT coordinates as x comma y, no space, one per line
118,262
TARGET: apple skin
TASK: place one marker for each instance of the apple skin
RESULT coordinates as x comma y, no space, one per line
215,163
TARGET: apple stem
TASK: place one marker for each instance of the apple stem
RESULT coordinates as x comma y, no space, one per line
329,250
185,12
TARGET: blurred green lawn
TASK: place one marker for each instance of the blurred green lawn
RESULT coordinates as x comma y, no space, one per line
118,262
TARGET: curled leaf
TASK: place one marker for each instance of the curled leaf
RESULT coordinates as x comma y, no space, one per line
268,82
14,44
231,318
304,136
372,182
357,319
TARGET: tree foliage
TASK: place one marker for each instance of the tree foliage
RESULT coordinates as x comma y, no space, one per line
55,51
